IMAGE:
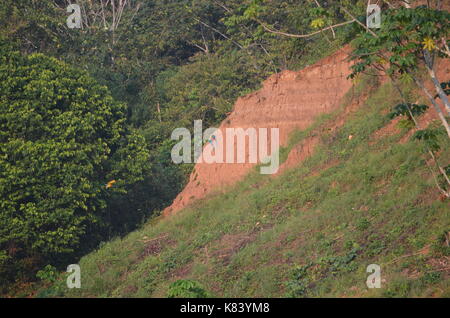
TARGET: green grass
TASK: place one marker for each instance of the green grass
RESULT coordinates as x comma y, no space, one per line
311,232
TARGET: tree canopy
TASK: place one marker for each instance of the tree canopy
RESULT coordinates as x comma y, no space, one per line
62,137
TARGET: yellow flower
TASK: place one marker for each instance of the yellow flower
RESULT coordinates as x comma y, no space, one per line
428,44
317,23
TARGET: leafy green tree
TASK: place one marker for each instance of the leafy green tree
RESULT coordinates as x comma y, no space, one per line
406,46
207,89
62,140
409,41
34,26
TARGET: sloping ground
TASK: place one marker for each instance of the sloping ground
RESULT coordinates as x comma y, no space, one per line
288,101
312,231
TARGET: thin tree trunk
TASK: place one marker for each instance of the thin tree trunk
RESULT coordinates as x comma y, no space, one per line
302,35
437,85
159,111
416,123
436,106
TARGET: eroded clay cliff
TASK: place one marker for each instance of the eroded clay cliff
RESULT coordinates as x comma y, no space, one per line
288,101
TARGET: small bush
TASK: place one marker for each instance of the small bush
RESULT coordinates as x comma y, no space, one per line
186,289
48,274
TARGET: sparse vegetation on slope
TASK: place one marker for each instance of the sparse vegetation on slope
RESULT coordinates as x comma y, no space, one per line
311,232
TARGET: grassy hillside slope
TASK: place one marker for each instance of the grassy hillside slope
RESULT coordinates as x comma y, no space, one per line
310,232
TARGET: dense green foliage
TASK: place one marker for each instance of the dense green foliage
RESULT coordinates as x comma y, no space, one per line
62,139
400,42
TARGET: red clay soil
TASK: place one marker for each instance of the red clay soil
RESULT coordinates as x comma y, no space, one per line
288,100
306,147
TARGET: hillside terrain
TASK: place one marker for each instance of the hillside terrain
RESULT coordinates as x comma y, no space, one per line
94,94
312,230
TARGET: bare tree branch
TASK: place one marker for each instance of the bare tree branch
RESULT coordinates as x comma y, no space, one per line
302,35
361,24
217,31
